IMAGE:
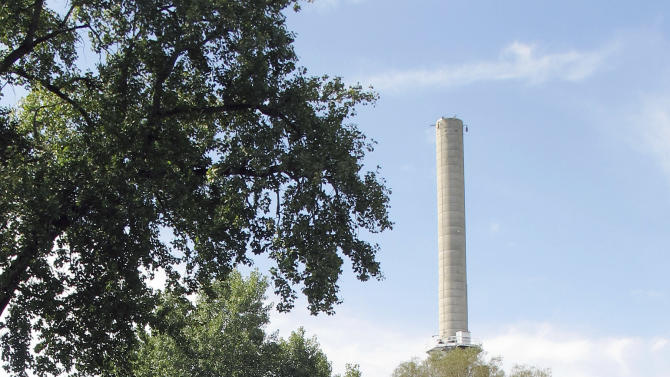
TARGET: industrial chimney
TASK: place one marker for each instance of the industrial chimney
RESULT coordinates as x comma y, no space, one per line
453,290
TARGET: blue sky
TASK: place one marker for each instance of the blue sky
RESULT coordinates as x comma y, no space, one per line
567,177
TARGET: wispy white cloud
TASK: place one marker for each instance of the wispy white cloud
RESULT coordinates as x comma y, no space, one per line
380,347
572,354
651,133
517,61
647,293
659,344
494,227
323,5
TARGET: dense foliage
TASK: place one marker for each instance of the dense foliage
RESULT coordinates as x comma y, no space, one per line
463,362
165,136
223,334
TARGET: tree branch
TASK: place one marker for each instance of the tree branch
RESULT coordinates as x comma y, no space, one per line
209,110
57,91
55,33
204,110
25,48
269,172
11,278
161,77
67,16
28,44
272,170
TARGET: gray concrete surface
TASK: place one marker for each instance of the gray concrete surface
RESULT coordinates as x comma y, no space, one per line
453,292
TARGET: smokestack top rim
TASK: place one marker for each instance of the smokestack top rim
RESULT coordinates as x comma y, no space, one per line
451,123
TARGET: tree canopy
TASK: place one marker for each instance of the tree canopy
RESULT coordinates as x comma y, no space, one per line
463,362
175,136
222,334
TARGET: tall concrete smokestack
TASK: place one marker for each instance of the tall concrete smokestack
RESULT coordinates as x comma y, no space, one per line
453,291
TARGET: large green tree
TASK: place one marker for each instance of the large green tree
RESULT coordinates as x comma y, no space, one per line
178,136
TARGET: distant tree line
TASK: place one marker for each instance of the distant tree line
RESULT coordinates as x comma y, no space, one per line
464,362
